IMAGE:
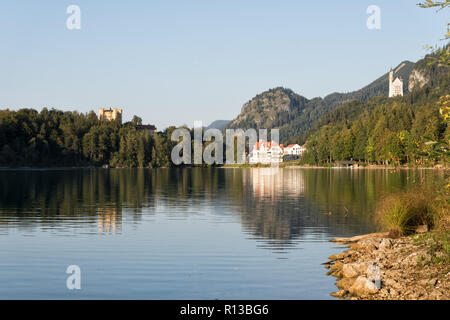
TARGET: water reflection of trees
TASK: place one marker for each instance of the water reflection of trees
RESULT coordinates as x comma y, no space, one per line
90,196
31,198
277,205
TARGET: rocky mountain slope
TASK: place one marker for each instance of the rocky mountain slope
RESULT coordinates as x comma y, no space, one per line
294,114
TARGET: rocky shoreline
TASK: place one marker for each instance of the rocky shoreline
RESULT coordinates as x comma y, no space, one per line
379,267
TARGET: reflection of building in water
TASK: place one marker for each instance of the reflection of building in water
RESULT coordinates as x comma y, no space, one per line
272,182
274,211
109,220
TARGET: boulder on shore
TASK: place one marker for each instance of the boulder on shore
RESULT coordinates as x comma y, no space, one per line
362,287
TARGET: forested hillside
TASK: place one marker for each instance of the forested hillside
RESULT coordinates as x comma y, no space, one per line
57,138
384,130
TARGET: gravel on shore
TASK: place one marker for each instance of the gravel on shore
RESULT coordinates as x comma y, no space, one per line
376,267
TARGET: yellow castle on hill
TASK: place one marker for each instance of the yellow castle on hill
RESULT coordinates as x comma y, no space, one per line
110,114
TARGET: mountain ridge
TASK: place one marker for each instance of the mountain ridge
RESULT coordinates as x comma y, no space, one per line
218,124
294,114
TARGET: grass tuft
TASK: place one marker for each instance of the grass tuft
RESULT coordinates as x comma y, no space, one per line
402,213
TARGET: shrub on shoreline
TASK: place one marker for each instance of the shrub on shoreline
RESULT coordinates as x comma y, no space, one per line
401,213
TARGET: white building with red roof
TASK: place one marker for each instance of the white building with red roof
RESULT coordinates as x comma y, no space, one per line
266,153
271,152
294,150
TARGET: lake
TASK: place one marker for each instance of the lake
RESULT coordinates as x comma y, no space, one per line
192,233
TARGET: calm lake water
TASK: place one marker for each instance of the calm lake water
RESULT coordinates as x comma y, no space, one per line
182,233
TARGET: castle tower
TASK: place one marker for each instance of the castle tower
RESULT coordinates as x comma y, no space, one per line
395,86
110,114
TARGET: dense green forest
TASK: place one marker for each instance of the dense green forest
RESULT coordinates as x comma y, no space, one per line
54,138
110,195
57,138
384,130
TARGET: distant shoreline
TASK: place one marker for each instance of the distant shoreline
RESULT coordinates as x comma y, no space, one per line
370,167
234,166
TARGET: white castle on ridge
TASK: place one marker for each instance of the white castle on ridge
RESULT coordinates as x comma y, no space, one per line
395,86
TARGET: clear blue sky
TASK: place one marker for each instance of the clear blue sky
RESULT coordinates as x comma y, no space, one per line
174,62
